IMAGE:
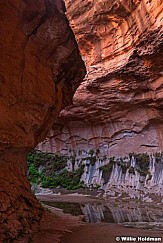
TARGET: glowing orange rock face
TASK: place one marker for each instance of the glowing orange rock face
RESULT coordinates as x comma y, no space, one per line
119,105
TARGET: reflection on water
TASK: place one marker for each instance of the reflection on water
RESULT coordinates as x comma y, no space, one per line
133,216
67,207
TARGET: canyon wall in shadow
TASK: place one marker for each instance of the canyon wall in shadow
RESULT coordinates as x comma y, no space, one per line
40,70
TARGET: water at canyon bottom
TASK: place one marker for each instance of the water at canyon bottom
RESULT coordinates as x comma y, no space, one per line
139,216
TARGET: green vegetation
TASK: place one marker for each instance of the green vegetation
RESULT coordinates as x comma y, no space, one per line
158,157
142,164
124,167
130,155
91,152
48,161
34,176
48,170
97,186
142,160
97,152
92,160
68,180
131,170
108,167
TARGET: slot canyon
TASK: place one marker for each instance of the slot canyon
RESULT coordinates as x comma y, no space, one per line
83,80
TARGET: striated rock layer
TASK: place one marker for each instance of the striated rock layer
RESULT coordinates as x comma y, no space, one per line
40,70
118,108
137,176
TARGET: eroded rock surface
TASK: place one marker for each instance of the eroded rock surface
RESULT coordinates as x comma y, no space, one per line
40,70
118,108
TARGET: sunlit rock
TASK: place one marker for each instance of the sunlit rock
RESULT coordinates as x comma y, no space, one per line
118,108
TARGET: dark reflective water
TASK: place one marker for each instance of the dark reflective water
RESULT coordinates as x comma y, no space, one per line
67,207
132,216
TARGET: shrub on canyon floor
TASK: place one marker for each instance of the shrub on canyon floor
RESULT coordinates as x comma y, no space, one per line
65,179
48,170
48,163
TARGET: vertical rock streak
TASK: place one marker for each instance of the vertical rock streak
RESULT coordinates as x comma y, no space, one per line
136,178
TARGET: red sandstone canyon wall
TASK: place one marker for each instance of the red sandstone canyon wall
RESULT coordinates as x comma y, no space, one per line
118,107
40,70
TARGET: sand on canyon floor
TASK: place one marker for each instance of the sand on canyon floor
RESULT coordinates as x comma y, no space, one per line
65,228
107,233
